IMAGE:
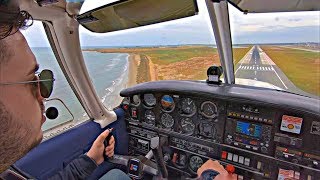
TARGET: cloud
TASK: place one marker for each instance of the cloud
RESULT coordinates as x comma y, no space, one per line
266,22
250,28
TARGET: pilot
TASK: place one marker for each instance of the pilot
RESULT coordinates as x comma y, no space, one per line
22,108
21,102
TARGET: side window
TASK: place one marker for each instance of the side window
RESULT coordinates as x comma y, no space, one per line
40,47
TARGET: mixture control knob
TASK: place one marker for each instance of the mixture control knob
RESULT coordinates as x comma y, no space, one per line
230,168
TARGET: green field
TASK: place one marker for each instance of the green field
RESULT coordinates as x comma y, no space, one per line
172,55
238,53
301,67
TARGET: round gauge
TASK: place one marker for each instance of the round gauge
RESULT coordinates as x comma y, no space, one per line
188,106
136,100
167,120
209,109
149,100
167,103
207,130
187,126
150,117
195,163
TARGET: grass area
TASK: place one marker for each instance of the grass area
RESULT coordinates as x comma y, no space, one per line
177,63
238,53
301,67
172,55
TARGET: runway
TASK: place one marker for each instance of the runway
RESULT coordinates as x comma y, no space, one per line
257,65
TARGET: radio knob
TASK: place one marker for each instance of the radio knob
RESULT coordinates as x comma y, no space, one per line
229,141
264,149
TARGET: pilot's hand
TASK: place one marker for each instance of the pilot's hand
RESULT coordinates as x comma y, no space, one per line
97,149
216,166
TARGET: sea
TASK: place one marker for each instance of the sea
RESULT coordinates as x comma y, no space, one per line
108,73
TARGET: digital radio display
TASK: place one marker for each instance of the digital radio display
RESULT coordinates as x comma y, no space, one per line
249,129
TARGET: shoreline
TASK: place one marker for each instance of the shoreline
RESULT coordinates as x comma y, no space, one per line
133,62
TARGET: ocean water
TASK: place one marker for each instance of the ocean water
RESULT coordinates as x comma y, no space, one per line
109,75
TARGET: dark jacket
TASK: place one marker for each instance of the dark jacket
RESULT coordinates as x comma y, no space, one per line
80,168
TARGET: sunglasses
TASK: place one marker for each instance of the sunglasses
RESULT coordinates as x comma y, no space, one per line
45,82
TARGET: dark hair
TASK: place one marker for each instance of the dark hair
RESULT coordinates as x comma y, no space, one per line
11,20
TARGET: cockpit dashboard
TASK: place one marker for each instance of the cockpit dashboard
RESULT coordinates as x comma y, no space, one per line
263,133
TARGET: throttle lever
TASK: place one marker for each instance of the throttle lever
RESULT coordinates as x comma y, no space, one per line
158,156
106,143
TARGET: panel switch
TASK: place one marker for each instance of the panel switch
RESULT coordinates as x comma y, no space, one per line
247,161
230,156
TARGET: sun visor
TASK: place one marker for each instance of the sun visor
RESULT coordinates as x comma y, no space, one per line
265,6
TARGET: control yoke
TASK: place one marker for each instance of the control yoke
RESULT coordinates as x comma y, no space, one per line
138,165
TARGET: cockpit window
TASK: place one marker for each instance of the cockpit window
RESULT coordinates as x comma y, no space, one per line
176,50
283,50
70,110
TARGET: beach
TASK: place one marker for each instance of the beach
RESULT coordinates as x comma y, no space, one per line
134,62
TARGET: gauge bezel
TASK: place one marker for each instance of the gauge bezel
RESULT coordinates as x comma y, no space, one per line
187,132
213,128
195,172
136,105
173,107
188,115
163,124
146,104
209,117
146,118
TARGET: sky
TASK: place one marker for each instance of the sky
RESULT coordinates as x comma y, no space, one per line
290,27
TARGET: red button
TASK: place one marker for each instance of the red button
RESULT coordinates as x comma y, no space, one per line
125,107
230,168
224,155
175,157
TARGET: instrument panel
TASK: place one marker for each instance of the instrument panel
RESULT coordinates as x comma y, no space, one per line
259,140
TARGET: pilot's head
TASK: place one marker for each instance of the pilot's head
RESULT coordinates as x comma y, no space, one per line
21,106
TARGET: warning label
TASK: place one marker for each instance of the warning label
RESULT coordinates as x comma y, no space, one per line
287,174
315,128
291,124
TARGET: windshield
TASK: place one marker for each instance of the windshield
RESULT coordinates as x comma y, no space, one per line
283,50
176,50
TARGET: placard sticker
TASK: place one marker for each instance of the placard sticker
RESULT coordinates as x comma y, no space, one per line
315,128
285,174
291,124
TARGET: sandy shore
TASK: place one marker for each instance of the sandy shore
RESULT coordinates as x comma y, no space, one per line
134,62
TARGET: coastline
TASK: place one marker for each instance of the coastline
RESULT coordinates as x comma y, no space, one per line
134,62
